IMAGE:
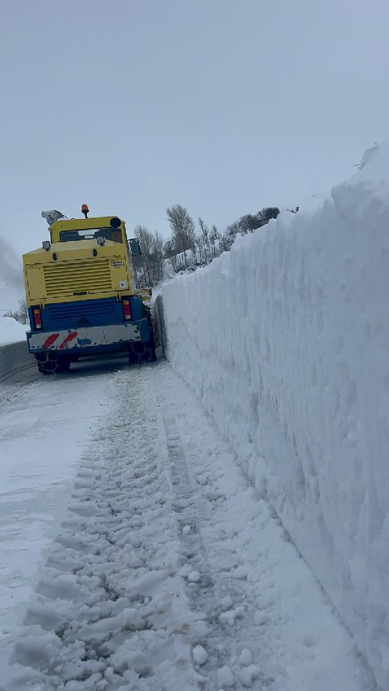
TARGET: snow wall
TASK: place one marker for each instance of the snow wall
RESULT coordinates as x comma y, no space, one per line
286,339
15,358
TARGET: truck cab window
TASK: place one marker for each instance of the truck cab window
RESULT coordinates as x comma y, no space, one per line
113,234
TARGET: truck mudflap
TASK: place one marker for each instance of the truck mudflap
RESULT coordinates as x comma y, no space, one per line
83,338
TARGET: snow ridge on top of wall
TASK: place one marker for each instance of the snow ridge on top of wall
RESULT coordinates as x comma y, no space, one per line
286,340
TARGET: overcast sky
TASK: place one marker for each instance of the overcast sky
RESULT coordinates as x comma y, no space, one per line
223,106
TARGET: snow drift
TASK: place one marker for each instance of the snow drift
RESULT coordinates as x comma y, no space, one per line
286,338
11,292
11,331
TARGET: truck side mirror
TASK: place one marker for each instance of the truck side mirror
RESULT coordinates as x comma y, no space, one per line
134,247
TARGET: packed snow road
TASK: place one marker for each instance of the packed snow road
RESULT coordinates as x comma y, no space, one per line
137,557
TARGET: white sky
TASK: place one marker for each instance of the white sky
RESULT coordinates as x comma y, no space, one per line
223,106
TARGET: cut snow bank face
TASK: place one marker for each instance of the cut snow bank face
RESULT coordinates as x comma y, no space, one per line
286,340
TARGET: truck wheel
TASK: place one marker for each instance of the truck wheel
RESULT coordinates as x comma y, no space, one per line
135,353
132,357
149,354
141,352
62,365
54,366
47,367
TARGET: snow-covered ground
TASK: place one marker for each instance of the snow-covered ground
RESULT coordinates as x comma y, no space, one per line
285,339
168,571
42,428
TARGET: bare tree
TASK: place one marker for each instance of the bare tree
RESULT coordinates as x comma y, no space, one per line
229,236
183,228
247,224
214,235
206,243
205,235
21,314
157,258
168,249
149,266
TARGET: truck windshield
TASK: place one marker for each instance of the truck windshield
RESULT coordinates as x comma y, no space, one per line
113,234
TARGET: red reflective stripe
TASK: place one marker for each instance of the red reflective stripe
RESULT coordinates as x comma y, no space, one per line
50,340
69,337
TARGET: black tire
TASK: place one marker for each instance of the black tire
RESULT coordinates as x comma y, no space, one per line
135,353
151,343
46,367
149,354
141,352
62,365
132,357
54,366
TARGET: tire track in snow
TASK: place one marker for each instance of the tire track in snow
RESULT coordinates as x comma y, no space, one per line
212,595
114,609
111,611
289,637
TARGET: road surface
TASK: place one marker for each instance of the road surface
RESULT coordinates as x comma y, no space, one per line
136,555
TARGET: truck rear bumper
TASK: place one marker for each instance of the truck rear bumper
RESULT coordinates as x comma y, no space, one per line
84,338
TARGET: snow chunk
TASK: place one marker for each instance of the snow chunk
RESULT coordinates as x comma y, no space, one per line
185,570
245,657
260,617
148,583
194,577
230,616
200,655
186,530
227,602
240,573
248,674
225,677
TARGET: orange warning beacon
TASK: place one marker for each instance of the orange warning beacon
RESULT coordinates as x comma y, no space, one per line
85,210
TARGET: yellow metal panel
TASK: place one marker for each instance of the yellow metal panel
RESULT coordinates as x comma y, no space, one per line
81,269
64,279
80,249
34,285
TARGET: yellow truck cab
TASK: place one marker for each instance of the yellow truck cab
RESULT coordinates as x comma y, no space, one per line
81,294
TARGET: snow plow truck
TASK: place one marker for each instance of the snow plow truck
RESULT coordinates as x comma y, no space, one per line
81,295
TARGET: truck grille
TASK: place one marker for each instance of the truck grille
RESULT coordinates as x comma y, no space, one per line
92,310
77,278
